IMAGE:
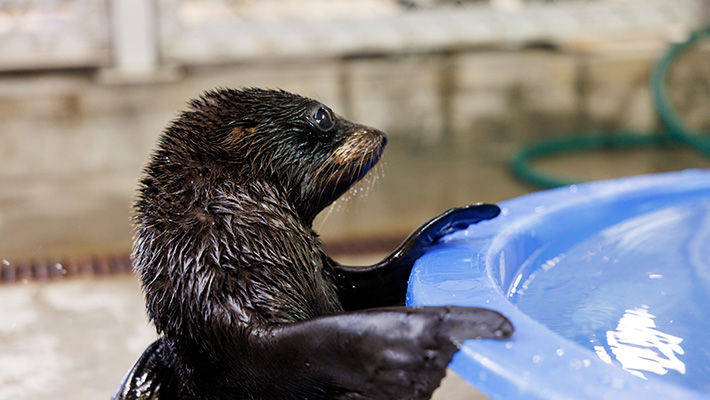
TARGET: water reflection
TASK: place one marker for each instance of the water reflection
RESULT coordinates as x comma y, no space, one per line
640,347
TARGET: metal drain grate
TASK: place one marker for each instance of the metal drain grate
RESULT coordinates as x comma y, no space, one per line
108,265
46,270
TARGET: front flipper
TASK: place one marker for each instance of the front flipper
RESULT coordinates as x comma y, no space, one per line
385,283
392,353
149,378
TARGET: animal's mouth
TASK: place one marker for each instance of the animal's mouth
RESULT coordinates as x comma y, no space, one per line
360,164
351,164
369,163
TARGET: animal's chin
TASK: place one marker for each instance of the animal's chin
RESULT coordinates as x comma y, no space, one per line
342,180
338,185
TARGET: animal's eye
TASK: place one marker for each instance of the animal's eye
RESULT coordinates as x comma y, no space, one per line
323,118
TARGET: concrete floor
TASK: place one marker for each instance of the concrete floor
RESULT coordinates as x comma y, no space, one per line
76,338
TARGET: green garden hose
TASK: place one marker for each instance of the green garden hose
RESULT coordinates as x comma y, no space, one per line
675,131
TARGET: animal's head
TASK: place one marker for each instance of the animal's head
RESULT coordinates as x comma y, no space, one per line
291,142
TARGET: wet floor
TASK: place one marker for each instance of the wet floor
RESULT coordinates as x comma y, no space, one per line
75,338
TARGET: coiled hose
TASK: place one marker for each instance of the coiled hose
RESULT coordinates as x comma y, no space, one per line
675,132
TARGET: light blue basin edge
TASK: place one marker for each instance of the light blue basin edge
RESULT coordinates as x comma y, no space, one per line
474,267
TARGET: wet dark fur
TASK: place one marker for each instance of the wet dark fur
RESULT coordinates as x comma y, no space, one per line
247,304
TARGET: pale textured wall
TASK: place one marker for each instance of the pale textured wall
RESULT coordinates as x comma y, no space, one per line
72,147
68,122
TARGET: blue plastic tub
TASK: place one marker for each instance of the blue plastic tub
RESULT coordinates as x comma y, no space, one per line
607,284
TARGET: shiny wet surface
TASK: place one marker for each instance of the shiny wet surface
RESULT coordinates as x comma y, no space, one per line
635,292
606,283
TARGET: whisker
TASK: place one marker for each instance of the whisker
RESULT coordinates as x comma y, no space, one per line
362,169
326,216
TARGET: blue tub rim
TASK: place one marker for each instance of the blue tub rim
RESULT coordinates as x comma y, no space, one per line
495,367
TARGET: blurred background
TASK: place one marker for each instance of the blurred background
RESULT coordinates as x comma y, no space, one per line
460,87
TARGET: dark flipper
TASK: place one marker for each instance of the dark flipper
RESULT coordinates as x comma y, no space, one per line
385,283
149,378
393,353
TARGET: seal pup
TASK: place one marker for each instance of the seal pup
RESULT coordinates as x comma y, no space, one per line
247,304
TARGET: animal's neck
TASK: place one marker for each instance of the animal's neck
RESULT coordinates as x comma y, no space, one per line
216,235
